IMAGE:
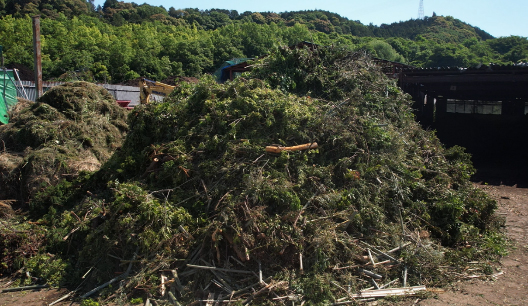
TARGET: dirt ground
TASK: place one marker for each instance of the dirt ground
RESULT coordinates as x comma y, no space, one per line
509,288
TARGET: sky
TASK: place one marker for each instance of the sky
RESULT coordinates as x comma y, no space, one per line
497,17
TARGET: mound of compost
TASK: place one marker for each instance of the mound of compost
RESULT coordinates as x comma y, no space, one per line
72,127
303,178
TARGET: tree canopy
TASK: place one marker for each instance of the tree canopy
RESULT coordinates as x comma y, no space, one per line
122,41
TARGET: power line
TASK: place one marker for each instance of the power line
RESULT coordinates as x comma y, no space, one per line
421,11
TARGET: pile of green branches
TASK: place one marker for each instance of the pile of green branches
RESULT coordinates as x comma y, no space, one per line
72,127
193,185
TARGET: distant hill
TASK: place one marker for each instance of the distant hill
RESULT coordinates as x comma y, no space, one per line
437,28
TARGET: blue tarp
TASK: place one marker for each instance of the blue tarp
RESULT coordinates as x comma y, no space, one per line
221,77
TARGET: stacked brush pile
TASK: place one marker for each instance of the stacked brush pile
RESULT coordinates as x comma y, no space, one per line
305,180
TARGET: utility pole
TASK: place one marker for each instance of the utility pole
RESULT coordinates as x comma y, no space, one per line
38,57
421,11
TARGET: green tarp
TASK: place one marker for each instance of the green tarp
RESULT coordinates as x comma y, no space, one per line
8,94
4,118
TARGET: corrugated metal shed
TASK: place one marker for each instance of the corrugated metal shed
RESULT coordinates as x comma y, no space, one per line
119,92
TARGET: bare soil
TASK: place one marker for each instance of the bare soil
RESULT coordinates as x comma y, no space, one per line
509,288
32,298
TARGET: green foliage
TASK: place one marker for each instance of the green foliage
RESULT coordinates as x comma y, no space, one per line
514,48
19,241
317,289
53,195
47,267
383,50
69,8
311,75
89,302
136,301
73,127
126,40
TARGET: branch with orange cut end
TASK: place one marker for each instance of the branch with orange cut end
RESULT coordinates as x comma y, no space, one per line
278,149
186,171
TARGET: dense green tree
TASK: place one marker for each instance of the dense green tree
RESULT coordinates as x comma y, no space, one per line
506,44
145,11
448,55
16,37
109,4
295,34
381,49
258,18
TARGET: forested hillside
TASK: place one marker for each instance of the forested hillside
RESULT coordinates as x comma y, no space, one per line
122,41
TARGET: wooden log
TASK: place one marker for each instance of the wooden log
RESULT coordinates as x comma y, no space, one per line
380,252
218,269
398,248
210,299
177,282
217,301
266,288
389,292
154,302
371,258
122,276
353,302
173,300
163,287
224,283
235,293
279,149
388,284
260,272
371,274
346,291
242,254
185,232
347,267
222,286
24,288
62,298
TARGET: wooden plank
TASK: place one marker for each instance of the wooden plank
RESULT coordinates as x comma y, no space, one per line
389,292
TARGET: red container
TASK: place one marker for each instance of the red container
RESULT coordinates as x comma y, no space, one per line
123,103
